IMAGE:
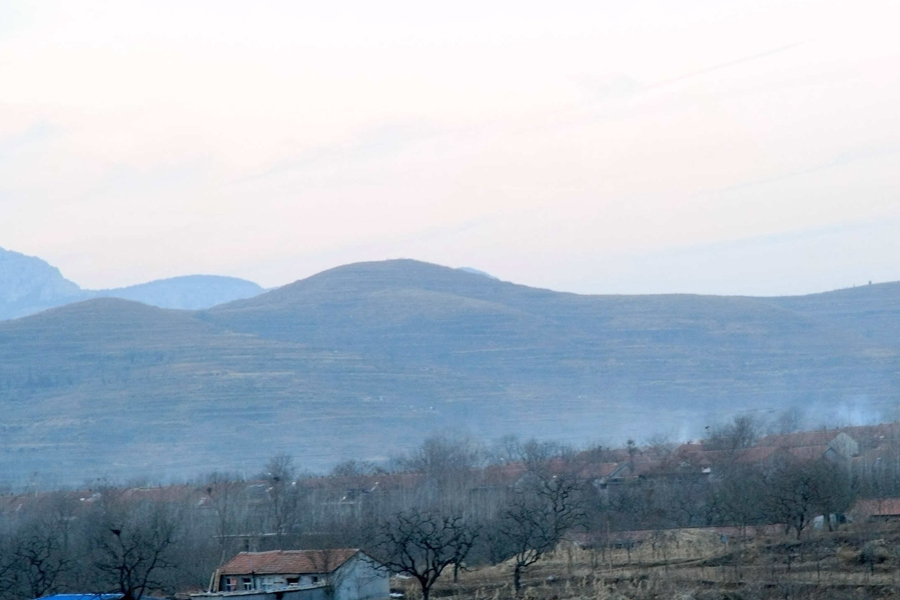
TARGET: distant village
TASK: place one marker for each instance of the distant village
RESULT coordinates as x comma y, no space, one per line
446,508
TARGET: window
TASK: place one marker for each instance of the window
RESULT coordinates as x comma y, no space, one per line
271,582
315,579
230,584
247,583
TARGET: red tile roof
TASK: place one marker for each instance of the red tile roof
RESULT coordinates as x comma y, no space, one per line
756,454
808,453
598,471
279,562
695,456
500,474
874,433
800,439
884,507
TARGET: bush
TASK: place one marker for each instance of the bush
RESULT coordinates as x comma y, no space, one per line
874,553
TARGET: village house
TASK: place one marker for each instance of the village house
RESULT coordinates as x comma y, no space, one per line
878,509
833,445
337,574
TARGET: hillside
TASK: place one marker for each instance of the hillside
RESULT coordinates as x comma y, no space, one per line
873,311
114,388
367,359
694,351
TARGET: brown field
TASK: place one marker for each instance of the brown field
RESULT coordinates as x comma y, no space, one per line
856,562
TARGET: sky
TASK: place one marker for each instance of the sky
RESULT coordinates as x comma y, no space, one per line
706,146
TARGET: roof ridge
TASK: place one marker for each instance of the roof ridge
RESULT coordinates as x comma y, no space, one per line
290,561
299,550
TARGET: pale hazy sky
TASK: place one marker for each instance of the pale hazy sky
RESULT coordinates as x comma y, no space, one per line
709,146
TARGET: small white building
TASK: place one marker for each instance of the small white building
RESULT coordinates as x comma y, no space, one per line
338,574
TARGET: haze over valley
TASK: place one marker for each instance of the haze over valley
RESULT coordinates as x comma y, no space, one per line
366,360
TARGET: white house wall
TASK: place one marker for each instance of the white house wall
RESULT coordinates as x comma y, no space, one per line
360,579
316,593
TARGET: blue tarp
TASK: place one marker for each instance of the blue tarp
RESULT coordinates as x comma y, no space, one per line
82,597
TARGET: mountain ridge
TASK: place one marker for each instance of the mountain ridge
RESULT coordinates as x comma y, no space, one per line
29,284
364,360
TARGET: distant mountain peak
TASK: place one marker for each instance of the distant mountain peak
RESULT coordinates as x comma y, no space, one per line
29,285
372,277
189,292
476,272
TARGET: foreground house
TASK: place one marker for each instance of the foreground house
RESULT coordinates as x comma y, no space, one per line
338,574
83,597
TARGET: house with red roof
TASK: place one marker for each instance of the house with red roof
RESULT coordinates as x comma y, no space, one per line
334,574
877,509
832,444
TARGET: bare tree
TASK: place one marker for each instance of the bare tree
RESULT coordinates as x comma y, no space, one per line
741,433
659,446
284,499
448,464
536,518
835,491
8,581
132,544
226,498
36,554
40,560
355,469
790,420
423,544
738,497
795,492
538,457
505,450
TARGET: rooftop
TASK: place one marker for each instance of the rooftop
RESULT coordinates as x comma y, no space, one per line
288,561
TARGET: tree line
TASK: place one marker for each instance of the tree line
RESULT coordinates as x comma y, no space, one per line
452,504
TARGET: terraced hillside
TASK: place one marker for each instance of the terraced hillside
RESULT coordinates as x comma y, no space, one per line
365,360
